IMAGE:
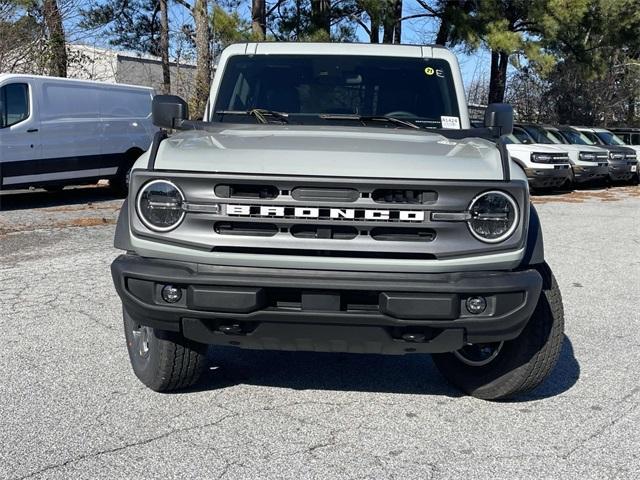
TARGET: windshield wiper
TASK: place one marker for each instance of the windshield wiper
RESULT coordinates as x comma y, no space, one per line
372,118
261,114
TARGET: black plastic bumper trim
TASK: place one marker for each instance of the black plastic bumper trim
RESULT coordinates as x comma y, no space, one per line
500,323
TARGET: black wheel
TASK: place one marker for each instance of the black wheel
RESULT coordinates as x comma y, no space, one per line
163,361
501,370
570,183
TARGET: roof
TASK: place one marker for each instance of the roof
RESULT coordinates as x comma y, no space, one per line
625,129
20,76
317,48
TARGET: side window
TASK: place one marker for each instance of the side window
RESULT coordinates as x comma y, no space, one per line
14,104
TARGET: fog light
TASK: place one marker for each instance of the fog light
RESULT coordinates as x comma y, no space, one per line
476,305
171,294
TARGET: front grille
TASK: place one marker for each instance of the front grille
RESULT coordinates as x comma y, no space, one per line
403,196
310,194
251,229
392,234
331,217
325,232
264,192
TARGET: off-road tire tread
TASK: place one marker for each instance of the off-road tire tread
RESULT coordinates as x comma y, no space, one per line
175,363
180,364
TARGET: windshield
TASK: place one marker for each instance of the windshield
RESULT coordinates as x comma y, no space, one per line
593,137
539,135
511,138
308,86
577,138
556,137
610,138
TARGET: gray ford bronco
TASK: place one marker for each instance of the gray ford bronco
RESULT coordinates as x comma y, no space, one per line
336,199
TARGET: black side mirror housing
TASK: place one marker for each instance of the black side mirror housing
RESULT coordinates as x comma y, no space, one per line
499,118
169,111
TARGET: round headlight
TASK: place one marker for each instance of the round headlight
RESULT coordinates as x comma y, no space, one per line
159,205
494,216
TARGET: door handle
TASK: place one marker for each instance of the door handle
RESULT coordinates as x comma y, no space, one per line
32,130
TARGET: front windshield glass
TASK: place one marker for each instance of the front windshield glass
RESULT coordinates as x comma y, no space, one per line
593,137
308,86
610,138
539,134
577,138
511,138
555,137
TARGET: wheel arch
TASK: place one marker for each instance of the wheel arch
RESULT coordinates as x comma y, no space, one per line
534,252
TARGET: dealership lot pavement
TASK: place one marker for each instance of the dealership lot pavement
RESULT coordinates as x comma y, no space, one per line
70,407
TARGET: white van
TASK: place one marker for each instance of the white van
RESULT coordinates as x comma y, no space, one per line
57,131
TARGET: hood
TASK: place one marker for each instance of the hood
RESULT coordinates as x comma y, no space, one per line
613,148
536,148
568,147
362,152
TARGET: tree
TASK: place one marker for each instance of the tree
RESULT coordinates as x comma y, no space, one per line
259,19
597,80
312,20
392,22
516,32
140,25
381,14
163,47
203,65
228,27
320,21
56,38
23,46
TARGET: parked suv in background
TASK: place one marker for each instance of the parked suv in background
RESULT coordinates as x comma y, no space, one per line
335,199
545,166
588,163
623,164
610,138
629,135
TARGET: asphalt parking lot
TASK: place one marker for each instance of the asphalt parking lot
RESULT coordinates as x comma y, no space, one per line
70,406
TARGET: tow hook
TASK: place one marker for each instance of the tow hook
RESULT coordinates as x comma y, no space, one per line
233,329
413,337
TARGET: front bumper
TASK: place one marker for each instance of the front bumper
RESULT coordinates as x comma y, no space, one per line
338,311
548,177
586,173
622,171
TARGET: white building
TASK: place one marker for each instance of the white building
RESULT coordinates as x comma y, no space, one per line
101,64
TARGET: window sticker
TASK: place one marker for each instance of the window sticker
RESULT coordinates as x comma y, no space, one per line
429,71
450,122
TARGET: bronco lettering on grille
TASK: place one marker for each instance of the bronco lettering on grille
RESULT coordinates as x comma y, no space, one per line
325,213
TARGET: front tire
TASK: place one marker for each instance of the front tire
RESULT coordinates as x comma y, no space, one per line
505,369
163,361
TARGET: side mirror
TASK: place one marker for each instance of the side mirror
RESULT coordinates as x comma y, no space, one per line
499,118
169,111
